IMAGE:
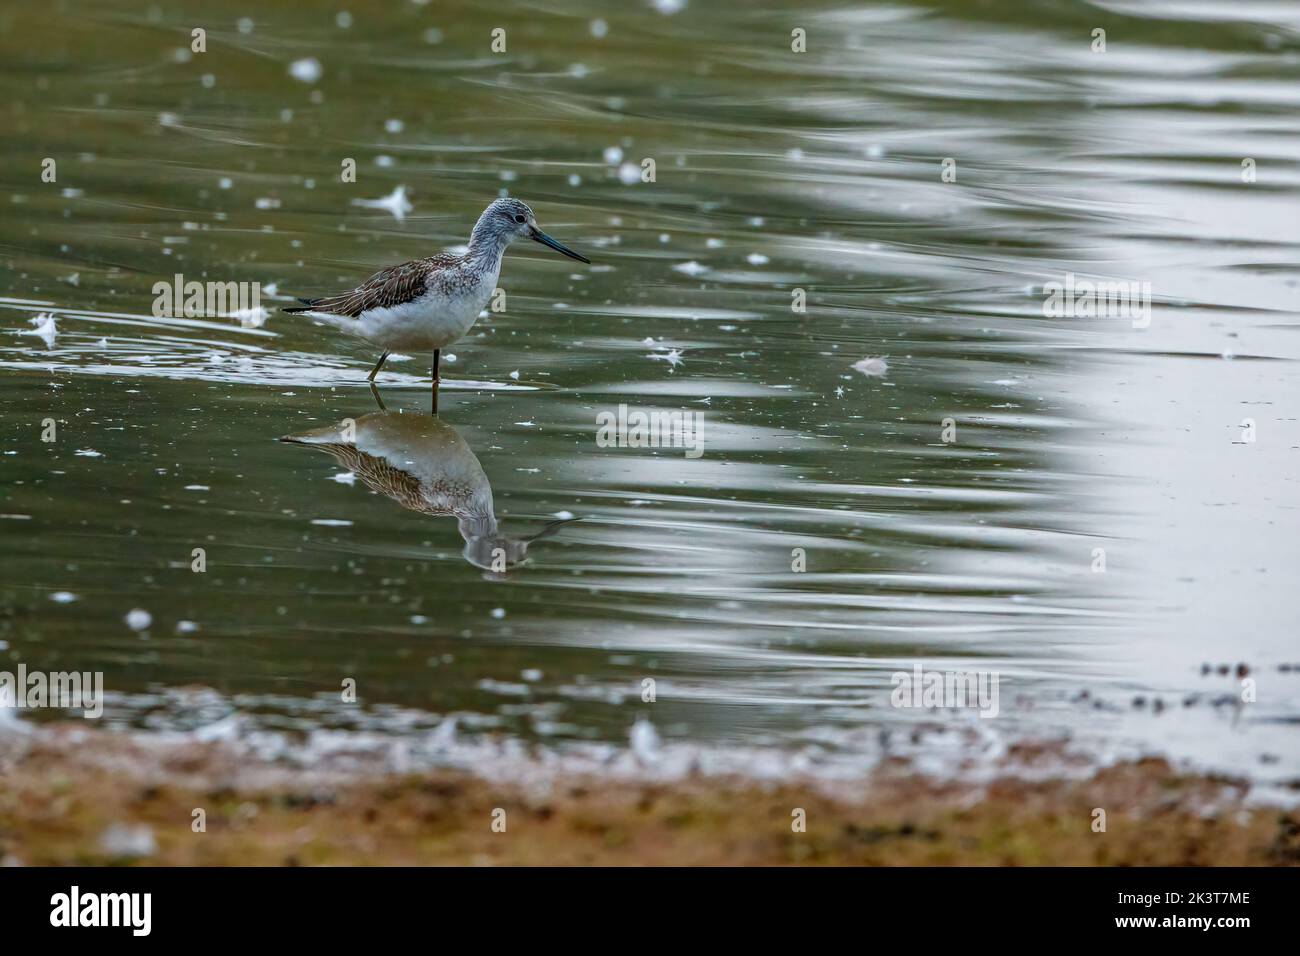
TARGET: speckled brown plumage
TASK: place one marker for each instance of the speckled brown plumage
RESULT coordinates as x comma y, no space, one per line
443,497
386,288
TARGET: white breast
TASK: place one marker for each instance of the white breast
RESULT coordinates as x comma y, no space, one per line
433,321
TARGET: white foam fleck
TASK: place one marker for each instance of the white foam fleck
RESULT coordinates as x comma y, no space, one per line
46,328
128,840
645,741
306,70
251,318
691,268
872,367
395,203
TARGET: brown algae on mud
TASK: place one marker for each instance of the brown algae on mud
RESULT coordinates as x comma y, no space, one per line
65,803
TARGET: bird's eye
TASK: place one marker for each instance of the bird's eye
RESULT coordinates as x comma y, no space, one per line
520,219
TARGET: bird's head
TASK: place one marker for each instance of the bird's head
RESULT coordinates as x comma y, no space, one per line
489,548
510,219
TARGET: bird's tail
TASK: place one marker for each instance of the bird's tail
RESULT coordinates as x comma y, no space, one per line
307,306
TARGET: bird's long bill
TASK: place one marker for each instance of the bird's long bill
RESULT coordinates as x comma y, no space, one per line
561,248
551,528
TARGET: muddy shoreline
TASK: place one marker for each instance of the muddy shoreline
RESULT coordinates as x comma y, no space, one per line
74,797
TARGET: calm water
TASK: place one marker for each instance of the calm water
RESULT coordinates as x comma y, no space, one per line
775,171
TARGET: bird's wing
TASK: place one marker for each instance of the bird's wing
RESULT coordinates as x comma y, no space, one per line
384,289
379,475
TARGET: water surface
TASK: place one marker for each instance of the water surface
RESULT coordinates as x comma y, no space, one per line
775,171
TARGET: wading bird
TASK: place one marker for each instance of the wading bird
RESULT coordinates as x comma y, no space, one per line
425,465
427,304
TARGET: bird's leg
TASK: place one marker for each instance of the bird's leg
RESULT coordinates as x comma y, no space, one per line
378,365
437,357
378,399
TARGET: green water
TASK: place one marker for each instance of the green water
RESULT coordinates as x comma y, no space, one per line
828,536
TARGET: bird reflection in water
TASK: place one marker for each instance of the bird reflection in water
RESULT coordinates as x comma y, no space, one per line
424,464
